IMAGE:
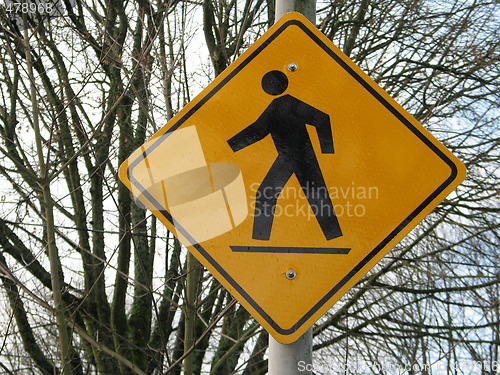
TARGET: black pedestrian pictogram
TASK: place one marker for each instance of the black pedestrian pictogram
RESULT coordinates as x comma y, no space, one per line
285,120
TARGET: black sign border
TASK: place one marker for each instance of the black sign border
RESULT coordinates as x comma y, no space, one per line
371,254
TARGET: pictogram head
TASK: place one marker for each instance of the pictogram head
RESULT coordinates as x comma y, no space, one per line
274,82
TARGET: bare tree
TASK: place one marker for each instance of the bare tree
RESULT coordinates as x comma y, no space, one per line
80,92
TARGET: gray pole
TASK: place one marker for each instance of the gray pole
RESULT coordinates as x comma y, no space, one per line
291,359
306,7
294,358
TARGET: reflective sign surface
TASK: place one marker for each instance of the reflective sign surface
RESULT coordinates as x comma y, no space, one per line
291,175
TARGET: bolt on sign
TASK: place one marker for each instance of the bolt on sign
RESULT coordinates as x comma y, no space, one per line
291,175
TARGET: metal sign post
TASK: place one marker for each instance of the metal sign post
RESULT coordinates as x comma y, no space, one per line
306,7
291,359
294,358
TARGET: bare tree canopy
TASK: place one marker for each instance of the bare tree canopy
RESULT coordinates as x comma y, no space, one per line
92,283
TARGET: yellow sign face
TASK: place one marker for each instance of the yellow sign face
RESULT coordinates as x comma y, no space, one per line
291,175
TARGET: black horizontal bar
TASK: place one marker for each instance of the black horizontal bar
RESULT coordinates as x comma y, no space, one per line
290,250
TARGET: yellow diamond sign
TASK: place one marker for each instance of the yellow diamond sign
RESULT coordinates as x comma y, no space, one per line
291,175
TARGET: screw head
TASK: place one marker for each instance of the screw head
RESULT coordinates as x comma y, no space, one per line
292,67
291,274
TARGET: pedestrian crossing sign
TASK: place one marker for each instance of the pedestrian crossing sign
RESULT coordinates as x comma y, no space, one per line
291,175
